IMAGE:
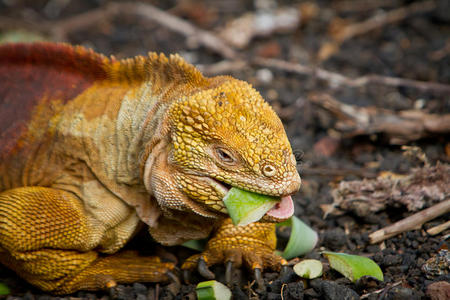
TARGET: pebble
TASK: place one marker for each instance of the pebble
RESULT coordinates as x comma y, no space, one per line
264,75
403,293
293,290
332,291
334,239
439,290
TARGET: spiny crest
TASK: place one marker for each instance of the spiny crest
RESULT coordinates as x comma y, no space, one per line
60,56
95,66
173,69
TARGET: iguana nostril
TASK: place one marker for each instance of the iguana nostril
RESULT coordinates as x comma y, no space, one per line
269,170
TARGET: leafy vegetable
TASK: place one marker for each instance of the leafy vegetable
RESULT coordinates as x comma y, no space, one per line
302,240
212,290
245,207
309,268
4,289
198,245
353,266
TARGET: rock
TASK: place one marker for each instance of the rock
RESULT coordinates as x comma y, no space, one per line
331,290
238,294
326,146
403,293
438,290
334,239
293,290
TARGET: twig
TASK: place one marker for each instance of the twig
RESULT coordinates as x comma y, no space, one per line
389,286
362,5
441,53
179,25
336,79
344,33
327,172
412,222
400,127
60,29
439,228
383,19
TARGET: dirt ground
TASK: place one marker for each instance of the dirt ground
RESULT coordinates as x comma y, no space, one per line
313,66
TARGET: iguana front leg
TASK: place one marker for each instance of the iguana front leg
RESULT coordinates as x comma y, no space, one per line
46,237
252,245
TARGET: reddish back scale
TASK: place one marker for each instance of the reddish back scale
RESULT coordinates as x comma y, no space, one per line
35,74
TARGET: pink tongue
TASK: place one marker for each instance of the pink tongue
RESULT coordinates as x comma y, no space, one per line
282,210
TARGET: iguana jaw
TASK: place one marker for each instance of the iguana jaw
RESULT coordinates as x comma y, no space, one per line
280,212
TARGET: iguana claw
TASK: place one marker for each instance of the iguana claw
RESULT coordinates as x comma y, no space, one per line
252,245
204,270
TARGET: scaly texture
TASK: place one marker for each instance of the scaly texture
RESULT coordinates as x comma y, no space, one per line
93,147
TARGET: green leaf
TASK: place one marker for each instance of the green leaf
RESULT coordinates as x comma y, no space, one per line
302,240
198,245
246,207
212,290
353,266
4,289
309,268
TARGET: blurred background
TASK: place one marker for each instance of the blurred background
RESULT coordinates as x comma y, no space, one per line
352,80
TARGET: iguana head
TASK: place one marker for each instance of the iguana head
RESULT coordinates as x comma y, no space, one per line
221,137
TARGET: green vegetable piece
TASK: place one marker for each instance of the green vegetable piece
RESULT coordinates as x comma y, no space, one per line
198,245
302,240
353,266
212,290
309,268
246,207
4,289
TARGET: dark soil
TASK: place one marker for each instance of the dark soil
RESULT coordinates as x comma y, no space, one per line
405,49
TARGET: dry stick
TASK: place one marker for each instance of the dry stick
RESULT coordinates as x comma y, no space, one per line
375,22
381,290
59,30
439,228
336,79
381,20
327,172
362,5
412,222
179,25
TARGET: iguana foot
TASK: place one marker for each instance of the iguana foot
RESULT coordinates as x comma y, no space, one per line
252,245
126,267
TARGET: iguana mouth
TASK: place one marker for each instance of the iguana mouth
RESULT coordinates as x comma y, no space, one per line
221,187
281,211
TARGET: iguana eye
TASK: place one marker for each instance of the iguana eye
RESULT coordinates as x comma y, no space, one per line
225,156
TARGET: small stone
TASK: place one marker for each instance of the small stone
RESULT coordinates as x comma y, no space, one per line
439,290
403,293
293,290
264,75
139,288
334,239
391,260
326,146
238,294
331,290
274,296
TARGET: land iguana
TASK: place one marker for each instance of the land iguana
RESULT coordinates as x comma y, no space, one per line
94,148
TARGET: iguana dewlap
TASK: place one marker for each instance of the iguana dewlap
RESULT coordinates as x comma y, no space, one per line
91,148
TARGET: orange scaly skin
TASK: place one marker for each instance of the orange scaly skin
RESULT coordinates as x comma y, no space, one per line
92,148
